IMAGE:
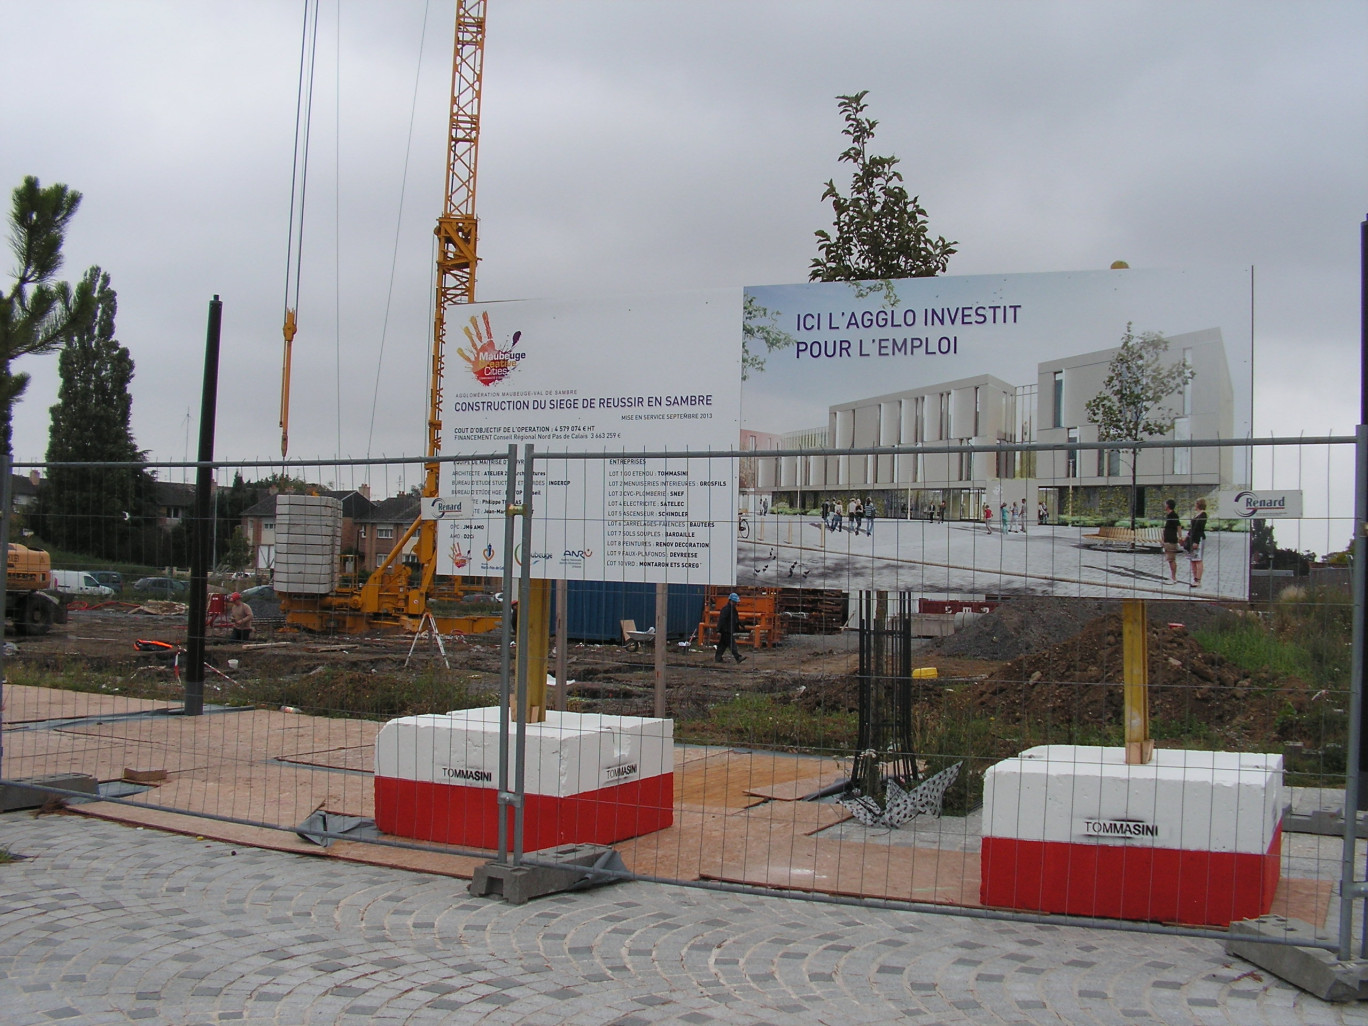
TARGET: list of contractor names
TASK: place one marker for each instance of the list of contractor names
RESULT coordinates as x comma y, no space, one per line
615,518
662,515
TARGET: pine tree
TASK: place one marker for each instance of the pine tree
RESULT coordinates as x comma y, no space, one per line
39,313
95,510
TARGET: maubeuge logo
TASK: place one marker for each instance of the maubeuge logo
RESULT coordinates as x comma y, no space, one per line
488,362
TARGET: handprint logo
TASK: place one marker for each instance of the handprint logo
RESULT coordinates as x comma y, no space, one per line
458,558
487,361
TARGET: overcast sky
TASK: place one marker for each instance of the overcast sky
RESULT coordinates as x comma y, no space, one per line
656,146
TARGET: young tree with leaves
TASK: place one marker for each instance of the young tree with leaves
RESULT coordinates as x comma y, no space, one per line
880,232
38,314
1130,407
95,510
760,336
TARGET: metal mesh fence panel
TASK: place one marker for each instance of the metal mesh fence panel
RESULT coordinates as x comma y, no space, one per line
884,648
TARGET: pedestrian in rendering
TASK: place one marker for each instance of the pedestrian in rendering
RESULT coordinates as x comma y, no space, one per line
728,627
942,511
1002,512
837,515
1017,525
826,513
870,513
988,517
1196,543
856,515
1172,526
1042,514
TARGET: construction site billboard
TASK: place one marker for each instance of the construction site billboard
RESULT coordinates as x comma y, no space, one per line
945,374
949,367
620,377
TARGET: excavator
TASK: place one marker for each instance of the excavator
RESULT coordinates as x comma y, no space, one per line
394,595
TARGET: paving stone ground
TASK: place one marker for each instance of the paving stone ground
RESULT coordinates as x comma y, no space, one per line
104,923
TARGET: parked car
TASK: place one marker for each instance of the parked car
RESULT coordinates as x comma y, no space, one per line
161,587
79,582
109,578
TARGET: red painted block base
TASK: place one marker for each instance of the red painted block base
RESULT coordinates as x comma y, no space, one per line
469,816
1196,888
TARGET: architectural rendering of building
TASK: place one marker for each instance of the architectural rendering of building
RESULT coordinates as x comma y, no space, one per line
981,411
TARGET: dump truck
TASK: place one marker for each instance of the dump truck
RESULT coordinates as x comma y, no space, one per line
28,603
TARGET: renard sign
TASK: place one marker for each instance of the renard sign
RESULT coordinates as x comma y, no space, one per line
446,509
1250,505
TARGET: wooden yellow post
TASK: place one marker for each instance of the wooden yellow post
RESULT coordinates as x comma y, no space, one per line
538,647
1135,675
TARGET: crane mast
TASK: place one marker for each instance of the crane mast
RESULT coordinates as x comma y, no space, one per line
388,595
457,229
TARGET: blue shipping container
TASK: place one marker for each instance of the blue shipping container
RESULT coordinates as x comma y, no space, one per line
595,609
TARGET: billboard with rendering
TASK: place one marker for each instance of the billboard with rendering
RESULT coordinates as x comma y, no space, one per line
954,370
895,403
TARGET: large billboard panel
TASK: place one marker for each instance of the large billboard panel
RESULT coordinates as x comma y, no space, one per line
951,371
625,376
988,361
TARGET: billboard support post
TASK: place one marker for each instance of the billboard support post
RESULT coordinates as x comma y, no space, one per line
1135,674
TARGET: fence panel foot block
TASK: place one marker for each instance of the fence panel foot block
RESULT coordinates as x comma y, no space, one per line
1314,969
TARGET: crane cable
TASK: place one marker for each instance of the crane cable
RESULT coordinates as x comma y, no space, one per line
299,177
398,225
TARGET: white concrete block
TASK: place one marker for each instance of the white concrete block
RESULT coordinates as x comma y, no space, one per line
1189,800
568,754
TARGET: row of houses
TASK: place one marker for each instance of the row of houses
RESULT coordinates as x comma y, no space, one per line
174,501
370,528
986,411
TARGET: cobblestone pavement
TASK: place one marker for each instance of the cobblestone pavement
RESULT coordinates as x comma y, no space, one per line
103,923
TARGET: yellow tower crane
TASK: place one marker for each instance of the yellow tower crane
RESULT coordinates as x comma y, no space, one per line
457,229
388,596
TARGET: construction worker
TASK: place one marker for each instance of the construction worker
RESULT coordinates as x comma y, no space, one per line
728,627
239,617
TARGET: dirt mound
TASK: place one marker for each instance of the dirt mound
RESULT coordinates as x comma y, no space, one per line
1031,623
1074,683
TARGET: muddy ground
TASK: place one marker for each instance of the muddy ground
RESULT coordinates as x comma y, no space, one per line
1032,659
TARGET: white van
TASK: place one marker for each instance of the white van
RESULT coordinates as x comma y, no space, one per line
79,582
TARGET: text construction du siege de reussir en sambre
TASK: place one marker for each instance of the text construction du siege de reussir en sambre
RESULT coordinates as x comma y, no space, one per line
691,406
